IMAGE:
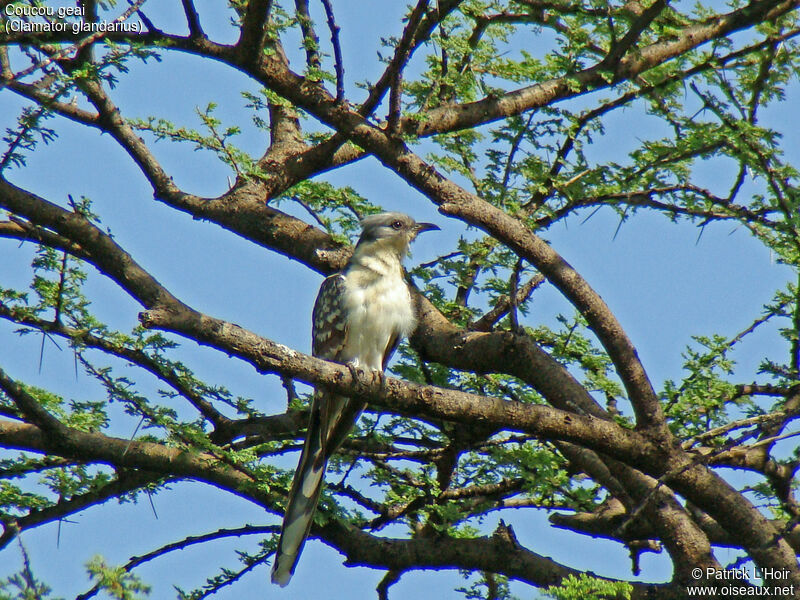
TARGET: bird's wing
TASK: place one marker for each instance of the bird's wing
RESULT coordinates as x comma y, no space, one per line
330,416
336,413
329,325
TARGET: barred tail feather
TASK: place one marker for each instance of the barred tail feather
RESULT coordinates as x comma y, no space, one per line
301,505
332,418
300,509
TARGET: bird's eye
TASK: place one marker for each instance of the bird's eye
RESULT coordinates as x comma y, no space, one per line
397,225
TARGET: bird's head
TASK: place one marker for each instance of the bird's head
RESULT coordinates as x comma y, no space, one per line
390,231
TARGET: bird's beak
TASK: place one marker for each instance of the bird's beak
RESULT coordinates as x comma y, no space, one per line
420,227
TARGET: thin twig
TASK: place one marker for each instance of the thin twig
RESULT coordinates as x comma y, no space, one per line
503,304
711,433
135,561
192,18
402,53
310,39
337,50
60,293
392,576
395,103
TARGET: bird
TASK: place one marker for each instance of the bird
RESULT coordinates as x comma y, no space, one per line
360,316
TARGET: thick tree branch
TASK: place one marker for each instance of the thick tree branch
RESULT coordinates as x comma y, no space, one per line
642,22
500,553
254,34
32,410
605,522
106,254
150,456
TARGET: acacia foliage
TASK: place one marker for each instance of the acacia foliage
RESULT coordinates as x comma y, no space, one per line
493,111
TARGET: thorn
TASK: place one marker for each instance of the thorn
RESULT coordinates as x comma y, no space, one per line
152,505
133,435
41,353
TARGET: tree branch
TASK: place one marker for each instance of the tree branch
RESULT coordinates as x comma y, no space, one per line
471,114
192,19
125,482
132,355
186,542
337,50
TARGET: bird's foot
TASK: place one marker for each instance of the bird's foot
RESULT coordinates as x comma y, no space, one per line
355,372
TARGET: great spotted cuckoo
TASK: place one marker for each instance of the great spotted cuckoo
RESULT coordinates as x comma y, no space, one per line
359,318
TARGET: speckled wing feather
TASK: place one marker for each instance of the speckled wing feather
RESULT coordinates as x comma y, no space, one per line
336,413
327,428
329,326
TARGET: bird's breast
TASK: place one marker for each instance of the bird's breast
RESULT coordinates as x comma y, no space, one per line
379,309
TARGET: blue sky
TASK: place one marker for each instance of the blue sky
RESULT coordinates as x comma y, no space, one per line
662,282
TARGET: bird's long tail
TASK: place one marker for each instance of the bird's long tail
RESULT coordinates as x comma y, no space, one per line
330,421
301,504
